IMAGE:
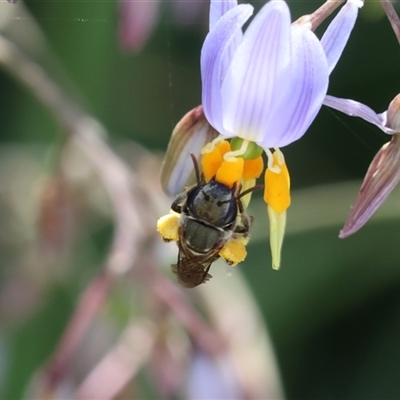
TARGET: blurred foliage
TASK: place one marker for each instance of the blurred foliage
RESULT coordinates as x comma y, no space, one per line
332,310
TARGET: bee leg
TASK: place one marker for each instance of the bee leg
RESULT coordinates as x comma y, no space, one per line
206,276
246,220
178,203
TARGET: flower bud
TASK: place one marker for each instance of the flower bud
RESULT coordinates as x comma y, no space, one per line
190,135
137,20
393,114
382,177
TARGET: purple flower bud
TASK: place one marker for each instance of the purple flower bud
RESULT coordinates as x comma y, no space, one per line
382,176
189,136
137,21
393,114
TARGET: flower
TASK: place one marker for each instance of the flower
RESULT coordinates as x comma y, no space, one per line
384,171
261,90
266,86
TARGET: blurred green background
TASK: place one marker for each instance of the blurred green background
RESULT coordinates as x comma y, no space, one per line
333,310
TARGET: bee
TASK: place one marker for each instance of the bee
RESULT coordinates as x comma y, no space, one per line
208,219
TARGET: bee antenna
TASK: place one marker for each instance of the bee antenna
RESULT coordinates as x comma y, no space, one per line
196,167
254,188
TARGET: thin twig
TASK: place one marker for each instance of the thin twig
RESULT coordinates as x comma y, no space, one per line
117,178
91,300
211,342
120,364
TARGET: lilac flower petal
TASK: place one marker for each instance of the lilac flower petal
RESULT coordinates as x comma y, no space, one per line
216,54
382,176
257,77
335,38
307,89
356,109
218,8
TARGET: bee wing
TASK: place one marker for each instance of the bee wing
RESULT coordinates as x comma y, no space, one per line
192,269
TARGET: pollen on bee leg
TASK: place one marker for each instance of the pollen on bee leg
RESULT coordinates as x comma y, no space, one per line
234,251
168,226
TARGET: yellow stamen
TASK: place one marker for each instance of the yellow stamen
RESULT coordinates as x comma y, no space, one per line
253,168
271,165
277,224
277,185
231,155
230,172
223,147
210,162
277,196
210,146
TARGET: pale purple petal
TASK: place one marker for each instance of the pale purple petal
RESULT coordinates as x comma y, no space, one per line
335,38
218,8
356,109
216,54
307,89
382,176
257,77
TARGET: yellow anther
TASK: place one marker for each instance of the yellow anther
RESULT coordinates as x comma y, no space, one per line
168,226
223,147
230,172
234,251
277,186
209,147
253,168
210,162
